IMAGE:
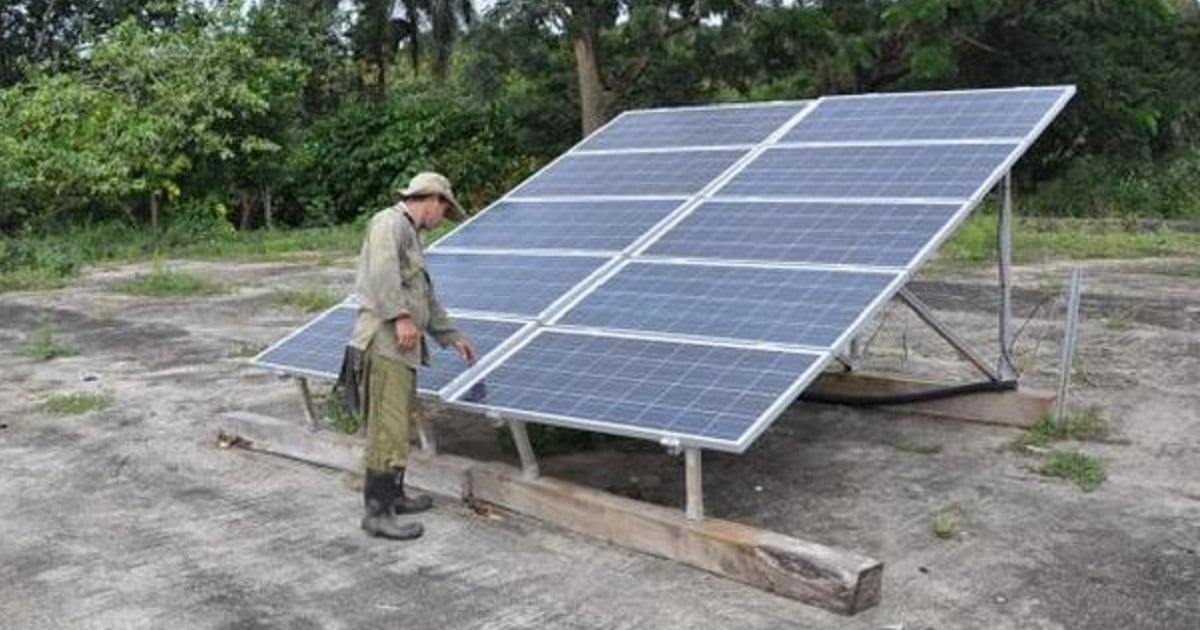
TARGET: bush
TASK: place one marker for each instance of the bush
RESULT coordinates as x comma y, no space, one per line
1098,187
352,162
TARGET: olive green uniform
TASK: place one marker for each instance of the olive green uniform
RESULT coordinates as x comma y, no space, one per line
391,281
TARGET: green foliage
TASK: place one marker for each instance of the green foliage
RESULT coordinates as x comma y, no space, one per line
352,163
341,418
78,402
164,282
43,346
1034,240
308,300
1083,470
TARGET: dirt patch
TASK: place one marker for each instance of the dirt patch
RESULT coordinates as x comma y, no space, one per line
130,517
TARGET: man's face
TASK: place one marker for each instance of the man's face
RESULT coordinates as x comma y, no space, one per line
438,212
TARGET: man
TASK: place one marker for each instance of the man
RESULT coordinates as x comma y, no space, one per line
397,308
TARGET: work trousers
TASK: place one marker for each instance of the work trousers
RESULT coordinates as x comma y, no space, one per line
391,407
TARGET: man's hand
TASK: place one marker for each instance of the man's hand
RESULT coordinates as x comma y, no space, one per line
465,350
407,335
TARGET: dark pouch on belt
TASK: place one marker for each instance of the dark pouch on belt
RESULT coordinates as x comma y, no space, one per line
350,379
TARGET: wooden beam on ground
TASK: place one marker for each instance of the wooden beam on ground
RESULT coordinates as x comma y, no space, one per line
1021,407
831,578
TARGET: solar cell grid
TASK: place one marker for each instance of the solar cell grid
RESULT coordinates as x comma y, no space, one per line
579,225
644,386
446,365
784,306
878,234
315,349
500,283
882,172
929,116
743,125
630,174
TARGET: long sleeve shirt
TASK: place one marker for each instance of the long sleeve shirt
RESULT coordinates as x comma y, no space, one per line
391,281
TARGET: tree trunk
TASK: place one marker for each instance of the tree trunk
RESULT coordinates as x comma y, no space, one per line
268,219
154,211
592,98
247,206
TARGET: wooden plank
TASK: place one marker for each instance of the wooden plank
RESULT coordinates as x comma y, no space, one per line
831,578
819,575
1021,407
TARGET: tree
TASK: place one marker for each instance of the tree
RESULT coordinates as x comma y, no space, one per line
614,41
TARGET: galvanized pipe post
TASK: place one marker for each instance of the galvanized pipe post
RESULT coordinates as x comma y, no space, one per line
1004,363
1070,335
693,483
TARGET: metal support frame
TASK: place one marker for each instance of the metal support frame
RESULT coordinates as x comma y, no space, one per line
923,311
310,412
1070,334
693,485
1004,363
426,433
529,464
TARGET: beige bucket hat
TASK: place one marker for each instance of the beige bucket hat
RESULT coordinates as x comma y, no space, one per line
434,184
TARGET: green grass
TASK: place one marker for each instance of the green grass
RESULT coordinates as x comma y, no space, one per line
1037,241
163,282
309,300
42,345
1085,426
1083,470
78,402
340,416
945,524
32,279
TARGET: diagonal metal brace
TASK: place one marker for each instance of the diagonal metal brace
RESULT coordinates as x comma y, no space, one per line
923,311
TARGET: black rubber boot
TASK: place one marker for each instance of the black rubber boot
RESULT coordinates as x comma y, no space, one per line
379,493
404,504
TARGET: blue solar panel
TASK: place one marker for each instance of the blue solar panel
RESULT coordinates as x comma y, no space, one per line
955,171
581,225
316,349
787,306
643,387
1012,113
630,174
881,234
446,365
500,283
731,125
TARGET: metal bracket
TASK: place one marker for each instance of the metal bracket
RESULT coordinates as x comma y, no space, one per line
529,464
693,484
1070,334
922,310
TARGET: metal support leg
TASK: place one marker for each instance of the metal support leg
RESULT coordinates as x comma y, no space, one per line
310,412
426,433
529,465
1004,363
693,484
927,316
1070,334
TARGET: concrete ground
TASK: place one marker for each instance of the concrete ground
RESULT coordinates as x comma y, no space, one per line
130,517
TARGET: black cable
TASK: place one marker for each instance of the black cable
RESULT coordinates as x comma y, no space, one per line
937,393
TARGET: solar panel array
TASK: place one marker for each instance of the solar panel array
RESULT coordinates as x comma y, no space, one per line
682,275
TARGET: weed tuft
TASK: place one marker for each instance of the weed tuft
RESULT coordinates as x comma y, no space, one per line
162,282
78,402
945,524
1083,470
308,300
42,345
